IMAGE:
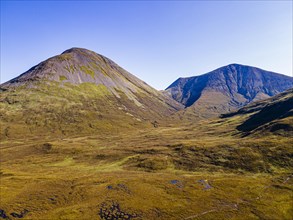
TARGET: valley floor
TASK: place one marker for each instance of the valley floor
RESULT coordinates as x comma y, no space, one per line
187,172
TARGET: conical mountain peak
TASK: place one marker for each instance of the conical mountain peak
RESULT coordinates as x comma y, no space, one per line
77,50
82,73
76,66
82,54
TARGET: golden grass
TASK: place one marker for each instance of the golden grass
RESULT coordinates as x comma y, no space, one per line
152,173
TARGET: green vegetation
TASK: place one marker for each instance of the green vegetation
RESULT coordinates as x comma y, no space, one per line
99,68
59,110
70,68
88,71
64,57
62,78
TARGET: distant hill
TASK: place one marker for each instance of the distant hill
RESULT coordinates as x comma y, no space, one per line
227,89
79,91
274,115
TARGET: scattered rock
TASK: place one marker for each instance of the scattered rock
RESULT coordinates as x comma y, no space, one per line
47,147
53,200
114,212
119,186
174,181
123,187
3,214
205,184
155,124
177,183
20,215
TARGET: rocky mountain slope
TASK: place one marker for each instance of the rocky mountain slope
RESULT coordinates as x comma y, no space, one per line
79,91
77,66
227,89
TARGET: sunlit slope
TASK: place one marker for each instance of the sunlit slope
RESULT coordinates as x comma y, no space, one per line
79,92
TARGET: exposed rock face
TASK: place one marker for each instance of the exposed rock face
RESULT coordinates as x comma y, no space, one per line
227,88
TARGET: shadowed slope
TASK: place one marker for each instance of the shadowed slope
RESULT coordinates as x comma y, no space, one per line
272,114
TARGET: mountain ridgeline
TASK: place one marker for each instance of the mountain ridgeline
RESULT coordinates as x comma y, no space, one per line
82,138
227,89
81,92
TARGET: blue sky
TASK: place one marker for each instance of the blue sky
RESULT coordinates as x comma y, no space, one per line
158,41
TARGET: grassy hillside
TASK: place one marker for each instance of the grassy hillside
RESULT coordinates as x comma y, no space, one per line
63,110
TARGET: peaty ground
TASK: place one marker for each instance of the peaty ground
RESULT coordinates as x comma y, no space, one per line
192,171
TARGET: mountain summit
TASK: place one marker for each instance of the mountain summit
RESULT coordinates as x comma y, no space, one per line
226,89
79,91
77,66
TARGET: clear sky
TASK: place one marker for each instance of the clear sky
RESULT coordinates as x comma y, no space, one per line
158,41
